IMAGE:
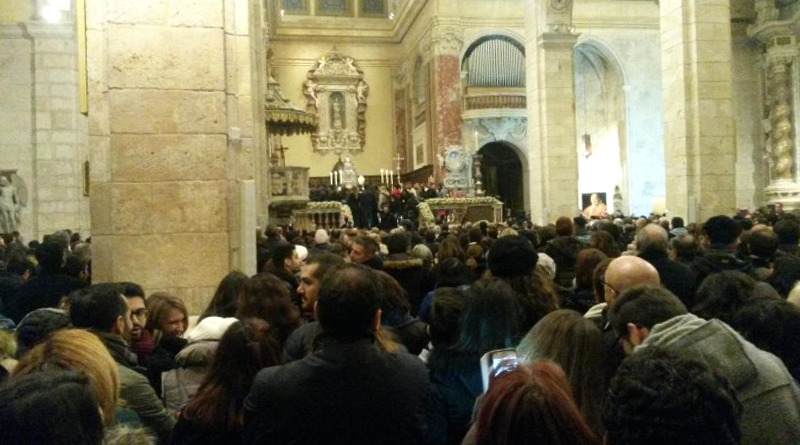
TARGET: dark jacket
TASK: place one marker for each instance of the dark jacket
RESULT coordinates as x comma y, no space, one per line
715,260
291,282
455,385
564,251
347,392
43,290
678,278
412,275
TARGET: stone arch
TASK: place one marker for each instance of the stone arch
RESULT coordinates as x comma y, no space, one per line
600,116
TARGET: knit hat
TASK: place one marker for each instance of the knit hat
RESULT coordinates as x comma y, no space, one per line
321,236
302,252
210,328
37,326
511,256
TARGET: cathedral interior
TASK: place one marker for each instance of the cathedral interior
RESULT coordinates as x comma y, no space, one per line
166,129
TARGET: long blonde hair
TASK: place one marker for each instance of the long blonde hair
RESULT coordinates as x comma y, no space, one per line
78,350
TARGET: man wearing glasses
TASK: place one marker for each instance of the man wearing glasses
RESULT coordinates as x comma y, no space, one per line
139,338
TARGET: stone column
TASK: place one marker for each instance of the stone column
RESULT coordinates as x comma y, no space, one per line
699,137
552,152
171,135
781,61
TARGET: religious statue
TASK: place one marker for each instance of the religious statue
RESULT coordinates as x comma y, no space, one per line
337,114
311,92
362,90
9,206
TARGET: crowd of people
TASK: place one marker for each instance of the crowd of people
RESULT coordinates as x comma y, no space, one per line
615,330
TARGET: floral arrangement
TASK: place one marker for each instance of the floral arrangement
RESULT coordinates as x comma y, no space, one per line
324,205
425,213
451,202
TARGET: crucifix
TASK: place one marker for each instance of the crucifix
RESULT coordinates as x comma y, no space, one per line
281,149
398,159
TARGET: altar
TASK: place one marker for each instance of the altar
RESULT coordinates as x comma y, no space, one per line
460,210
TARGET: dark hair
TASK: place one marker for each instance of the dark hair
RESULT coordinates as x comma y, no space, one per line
445,318
97,307
685,246
348,298
604,242
369,244
785,274
645,305
223,303
19,264
266,296
452,272
788,231
577,346
721,230
762,244
244,349
721,294
451,248
280,253
397,242
532,404
130,290
51,256
394,301
585,263
564,226
651,240
676,222
598,278
325,263
771,325
536,296
50,407
491,317
663,398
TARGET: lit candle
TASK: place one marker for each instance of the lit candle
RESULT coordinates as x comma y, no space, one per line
475,134
382,180
331,175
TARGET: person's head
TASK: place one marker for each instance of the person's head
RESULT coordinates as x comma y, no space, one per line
638,309
722,231
349,300
39,324
491,317
422,252
397,242
56,408
101,307
167,317
564,226
266,296
50,255
721,294
652,239
785,274
77,350
445,317
625,272
595,199
245,348
134,295
604,241
787,230
321,236
394,300
576,345
285,256
512,256
451,248
363,249
661,397
531,404
585,263
223,303
311,274
762,244
684,248
676,222
599,280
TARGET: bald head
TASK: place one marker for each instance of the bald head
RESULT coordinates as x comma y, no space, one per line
652,238
627,271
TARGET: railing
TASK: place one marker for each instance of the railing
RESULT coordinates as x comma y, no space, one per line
321,215
497,100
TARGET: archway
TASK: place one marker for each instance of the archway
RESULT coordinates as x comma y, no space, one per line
501,169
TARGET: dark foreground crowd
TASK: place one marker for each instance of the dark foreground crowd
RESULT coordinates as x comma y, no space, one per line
616,331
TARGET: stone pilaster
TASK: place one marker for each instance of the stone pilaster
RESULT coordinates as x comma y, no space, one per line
552,156
171,126
699,136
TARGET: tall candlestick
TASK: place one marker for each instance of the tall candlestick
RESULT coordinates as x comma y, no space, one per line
475,135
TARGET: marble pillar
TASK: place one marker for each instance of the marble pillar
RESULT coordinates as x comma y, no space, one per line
445,43
699,136
170,138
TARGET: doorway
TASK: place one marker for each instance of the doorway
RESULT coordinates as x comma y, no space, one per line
501,169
